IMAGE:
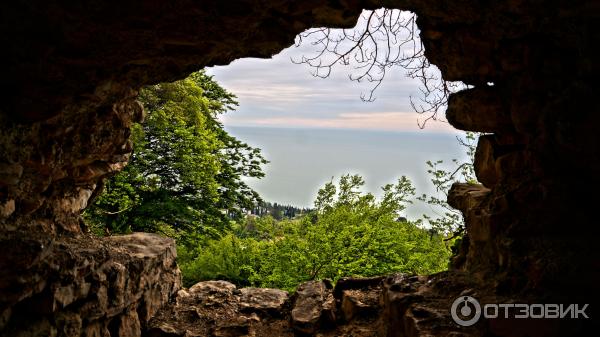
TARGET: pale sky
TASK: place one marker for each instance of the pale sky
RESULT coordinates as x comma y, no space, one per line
278,93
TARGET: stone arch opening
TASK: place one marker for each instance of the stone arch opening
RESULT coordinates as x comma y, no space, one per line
305,101
69,96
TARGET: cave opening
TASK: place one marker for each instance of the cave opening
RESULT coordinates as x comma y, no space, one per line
316,134
70,88
287,94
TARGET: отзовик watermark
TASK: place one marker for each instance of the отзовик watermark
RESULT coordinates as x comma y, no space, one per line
466,310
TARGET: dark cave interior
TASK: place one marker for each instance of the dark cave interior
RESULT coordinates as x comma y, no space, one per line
69,97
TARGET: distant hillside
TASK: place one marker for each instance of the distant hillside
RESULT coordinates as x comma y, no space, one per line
279,211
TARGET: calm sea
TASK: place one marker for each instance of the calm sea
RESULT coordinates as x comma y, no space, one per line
303,160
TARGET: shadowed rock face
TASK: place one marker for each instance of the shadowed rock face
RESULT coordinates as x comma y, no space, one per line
90,287
72,71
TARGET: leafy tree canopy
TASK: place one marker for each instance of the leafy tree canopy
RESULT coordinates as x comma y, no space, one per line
185,173
350,233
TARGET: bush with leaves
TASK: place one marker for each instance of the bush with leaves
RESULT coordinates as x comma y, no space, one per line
351,233
354,234
229,258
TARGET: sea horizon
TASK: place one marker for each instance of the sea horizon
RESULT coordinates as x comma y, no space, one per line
302,160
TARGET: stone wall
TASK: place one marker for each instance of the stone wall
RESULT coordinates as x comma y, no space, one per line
87,286
72,70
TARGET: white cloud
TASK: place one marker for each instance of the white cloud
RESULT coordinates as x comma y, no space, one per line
385,121
277,92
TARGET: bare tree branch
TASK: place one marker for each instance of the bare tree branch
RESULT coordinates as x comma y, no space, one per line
382,39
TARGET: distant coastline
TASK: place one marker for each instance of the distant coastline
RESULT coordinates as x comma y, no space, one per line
425,131
303,159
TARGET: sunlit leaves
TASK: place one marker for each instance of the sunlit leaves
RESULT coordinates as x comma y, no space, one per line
351,233
185,174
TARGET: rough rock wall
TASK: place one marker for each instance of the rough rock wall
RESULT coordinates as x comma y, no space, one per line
68,101
393,306
88,286
72,70
531,64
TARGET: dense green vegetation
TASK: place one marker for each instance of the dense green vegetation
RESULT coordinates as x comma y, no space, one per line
348,234
185,180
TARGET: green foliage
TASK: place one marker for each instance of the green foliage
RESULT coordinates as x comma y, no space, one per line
185,173
228,258
448,219
185,180
350,234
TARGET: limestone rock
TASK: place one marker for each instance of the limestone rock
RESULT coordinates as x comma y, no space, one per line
358,297
208,288
94,285
419,306
479,109
357,303
261,299
7,208
313,307
485,161
471,200
218,308
396,305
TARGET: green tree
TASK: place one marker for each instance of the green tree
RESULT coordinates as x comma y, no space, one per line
185,173
351,234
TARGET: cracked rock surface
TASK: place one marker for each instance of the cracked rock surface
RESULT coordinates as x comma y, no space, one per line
90,286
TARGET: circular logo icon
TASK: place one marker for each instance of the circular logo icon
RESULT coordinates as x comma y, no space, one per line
465,311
